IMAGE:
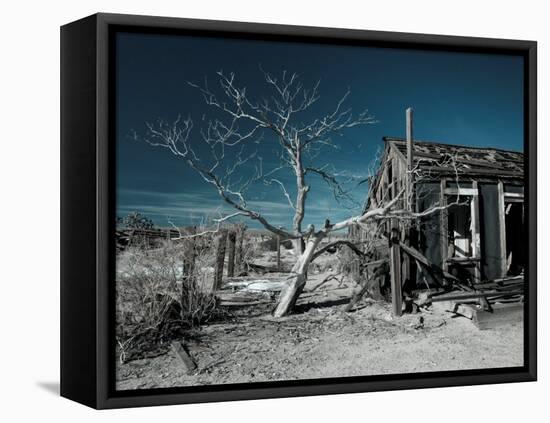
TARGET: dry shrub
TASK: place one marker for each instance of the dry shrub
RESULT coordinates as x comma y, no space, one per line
327,263
270,244
252,249
157,297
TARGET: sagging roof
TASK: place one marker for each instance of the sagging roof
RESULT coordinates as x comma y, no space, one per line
434,157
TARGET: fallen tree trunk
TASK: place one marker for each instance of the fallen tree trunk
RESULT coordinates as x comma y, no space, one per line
298,277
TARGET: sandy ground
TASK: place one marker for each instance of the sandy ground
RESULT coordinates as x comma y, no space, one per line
321,340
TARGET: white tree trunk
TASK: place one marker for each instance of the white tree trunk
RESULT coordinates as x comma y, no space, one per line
298,278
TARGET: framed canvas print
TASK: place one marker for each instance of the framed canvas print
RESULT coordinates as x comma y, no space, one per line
255,211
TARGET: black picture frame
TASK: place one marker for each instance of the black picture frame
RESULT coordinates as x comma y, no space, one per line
87,211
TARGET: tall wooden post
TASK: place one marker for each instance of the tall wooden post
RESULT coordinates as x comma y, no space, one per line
395,273
220,258
189,256
241,228
410,158
188,271
278,252
409,194
231,239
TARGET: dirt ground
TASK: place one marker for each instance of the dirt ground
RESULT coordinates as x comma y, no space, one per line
320,340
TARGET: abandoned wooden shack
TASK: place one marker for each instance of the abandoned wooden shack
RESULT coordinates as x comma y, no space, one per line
476,233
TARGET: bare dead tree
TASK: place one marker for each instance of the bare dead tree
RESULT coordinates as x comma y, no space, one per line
239,122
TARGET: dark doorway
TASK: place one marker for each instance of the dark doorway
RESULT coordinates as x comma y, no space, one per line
515,258
459,228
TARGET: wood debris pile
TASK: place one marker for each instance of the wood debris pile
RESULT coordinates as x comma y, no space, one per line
489,304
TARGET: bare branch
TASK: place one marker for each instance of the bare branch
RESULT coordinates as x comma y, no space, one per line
337,187
371,214
285,192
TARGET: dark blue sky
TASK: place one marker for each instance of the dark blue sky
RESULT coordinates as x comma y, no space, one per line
458,98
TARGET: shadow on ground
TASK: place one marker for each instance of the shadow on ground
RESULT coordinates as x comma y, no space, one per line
304,308
51,387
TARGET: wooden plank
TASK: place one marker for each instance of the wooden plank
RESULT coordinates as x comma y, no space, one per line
502,282
463,260
491,172
518,285
474,294
513,195
228,303
465,310
419,257
501,315
397,152
184,356
461,191
513,199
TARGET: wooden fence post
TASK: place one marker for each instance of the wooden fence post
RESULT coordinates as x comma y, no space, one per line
355,263
188,270
231,239
189,258
395,272
279,253
220,258
239,248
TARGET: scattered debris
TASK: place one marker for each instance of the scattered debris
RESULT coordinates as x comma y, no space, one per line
270,285
328,278
179,348
249,291
488,305
419,323
210,365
